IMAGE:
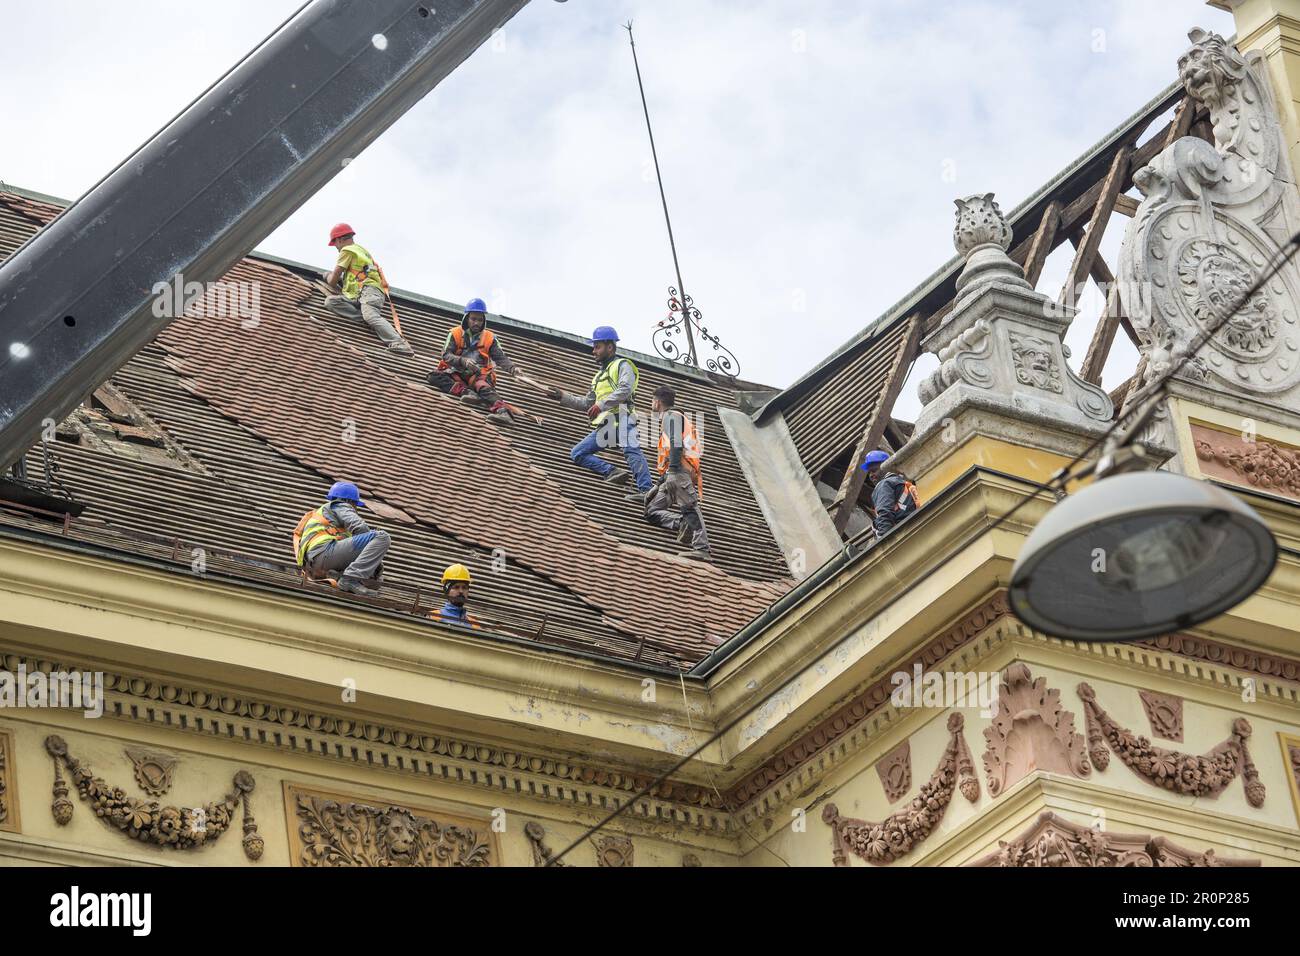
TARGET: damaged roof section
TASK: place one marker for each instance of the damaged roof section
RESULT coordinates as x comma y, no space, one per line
841,408
252,420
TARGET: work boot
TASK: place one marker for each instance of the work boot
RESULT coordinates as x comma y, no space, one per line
640,497
471,398
401,348
617,476
501,417
696,554
354,586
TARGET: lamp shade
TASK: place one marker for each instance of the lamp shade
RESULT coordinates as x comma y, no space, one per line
1137,555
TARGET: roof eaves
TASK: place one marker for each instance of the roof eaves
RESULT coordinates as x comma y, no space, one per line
950,268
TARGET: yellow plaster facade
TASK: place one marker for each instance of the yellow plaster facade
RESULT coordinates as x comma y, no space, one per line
496,736
511,752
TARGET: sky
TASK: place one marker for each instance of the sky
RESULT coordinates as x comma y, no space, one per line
811,151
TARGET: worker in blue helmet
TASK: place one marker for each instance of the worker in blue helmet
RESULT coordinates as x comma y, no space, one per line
608,405
893,496
333,538
470,358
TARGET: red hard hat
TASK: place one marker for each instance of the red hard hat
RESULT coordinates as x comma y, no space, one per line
342,229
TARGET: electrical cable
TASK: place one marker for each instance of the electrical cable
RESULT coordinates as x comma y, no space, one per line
1058,481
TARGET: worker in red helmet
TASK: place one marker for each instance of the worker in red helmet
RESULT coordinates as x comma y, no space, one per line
364,291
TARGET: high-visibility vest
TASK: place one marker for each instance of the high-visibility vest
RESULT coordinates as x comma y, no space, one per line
315,530
909,491
909,499
484,349
605,381
363,271
691,451
448,615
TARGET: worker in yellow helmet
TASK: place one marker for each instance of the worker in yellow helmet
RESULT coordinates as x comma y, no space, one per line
455,584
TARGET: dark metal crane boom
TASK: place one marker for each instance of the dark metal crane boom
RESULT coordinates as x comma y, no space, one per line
76,299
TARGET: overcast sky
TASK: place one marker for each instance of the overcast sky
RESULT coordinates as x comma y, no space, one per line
811,150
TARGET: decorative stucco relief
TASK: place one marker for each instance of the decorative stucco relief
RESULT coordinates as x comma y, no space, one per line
8,789
1053,841
856,711
1215,652
1261,464
1029,732
614,851
1034,363
179,828
337,831
1291,761
895,770
1165,712
898,834
542,854
1213,218
1191,774
153,772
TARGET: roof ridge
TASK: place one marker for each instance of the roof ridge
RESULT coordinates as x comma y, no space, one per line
903,307
641,358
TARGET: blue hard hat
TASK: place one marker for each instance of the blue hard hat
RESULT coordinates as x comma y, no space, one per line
346,491
475,305
604,333
875,458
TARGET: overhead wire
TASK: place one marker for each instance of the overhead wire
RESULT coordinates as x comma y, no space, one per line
1146,394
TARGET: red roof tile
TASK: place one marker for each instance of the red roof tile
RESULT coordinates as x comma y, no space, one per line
263,409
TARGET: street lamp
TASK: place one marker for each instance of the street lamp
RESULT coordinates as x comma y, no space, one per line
1139,554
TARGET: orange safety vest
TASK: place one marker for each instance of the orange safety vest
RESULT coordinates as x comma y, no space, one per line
314,529
691,452
484,349
909,491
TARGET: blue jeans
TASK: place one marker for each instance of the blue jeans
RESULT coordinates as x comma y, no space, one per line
607,436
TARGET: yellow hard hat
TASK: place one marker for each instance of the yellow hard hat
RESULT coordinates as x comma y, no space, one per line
455,572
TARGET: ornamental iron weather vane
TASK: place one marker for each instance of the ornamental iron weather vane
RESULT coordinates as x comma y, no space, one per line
683,319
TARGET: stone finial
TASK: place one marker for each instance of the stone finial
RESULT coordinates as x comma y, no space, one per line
979,221
983,236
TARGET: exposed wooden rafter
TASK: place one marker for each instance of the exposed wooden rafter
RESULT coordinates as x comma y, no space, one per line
1075,207
846,498
1102,338
1043,242
1105,280
1086,252
1126,205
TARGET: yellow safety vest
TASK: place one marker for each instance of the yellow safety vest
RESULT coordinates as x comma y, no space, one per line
364,271
314,531
606,380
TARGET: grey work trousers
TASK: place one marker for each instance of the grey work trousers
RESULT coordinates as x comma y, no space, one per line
674,503
357,557
370,308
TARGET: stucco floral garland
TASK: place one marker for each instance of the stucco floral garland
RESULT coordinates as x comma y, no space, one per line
1191,774
175,827
899,833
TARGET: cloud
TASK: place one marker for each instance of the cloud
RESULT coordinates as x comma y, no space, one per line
810,154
